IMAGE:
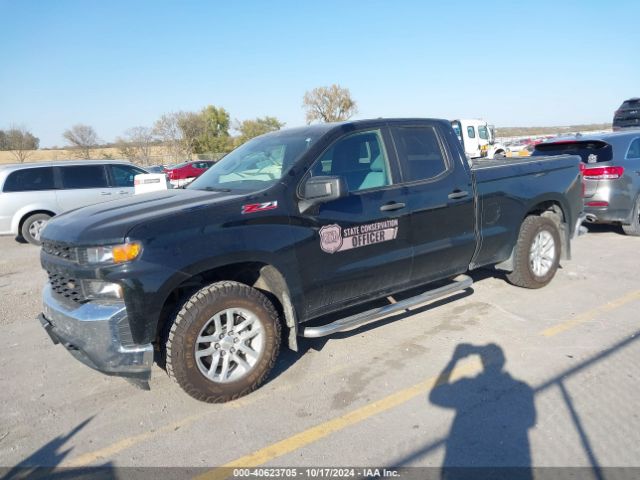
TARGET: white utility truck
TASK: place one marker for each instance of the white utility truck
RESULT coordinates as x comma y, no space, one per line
478,138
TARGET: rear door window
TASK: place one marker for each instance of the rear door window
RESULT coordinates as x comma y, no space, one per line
124,175
84,176
420,152
30,179
471,132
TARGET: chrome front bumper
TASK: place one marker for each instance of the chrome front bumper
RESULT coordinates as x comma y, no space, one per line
98,335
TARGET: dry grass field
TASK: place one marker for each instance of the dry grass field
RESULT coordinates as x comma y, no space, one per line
113,153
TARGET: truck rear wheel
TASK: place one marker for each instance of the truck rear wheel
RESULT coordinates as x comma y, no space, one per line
633,228
223,342
537,253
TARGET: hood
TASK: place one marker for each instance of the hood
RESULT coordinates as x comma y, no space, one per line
109,222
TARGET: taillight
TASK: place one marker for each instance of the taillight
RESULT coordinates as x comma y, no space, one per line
602,173
170,174
597,204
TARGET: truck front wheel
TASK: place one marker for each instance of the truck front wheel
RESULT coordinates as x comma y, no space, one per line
537,253
223,342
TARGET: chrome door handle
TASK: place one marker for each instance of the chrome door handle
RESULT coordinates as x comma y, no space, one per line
105,193
123,192
389,207
458,194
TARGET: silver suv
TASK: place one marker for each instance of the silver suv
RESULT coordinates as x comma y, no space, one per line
611,173
31,193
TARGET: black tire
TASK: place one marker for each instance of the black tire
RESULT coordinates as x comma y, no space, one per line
633,228
32,227
523,274
499,155
198,312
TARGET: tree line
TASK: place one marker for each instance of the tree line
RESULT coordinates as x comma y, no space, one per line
184,134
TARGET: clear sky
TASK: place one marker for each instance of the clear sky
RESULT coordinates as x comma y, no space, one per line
115,64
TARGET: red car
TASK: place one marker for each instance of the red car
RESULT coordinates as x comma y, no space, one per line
184,173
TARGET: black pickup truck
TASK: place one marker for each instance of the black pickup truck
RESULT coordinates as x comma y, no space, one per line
289,229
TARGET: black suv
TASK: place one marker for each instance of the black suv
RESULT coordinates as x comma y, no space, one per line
628,115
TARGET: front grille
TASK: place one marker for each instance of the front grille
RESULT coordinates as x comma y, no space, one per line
65,288
60,250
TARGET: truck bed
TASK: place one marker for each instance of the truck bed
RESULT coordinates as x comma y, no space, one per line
507,188
496,169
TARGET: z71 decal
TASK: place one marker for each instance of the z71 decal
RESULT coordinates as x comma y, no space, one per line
259,207
334,239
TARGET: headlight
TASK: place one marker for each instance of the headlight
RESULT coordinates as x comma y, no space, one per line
114,253
97,289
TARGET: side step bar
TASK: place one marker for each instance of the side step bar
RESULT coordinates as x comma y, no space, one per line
461,282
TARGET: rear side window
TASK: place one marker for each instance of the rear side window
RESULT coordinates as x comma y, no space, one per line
420,151
30,179
471,132
590,151
124,175
634,149
84,176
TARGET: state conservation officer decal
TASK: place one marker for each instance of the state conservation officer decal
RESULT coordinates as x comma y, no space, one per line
334,239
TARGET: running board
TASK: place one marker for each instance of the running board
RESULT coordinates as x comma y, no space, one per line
461,282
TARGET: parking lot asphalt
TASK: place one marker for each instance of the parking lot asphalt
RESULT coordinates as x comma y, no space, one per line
552,381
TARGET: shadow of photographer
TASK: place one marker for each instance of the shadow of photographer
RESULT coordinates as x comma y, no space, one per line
489,436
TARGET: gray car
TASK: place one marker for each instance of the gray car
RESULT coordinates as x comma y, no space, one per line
611,172
31,193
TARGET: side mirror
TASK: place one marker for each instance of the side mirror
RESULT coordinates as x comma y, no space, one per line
321,189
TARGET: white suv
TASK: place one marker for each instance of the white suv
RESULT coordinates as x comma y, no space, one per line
31,193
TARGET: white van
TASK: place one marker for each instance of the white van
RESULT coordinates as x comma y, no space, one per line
31,193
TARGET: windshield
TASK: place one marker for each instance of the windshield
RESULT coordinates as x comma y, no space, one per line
259,163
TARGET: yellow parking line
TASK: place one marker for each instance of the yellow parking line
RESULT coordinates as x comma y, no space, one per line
107,452
110,450
313,434
591,314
